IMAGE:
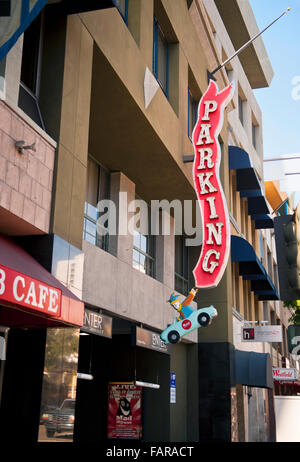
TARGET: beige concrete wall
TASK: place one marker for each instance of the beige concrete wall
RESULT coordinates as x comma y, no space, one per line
242,134
117,287
13,72
129,60
25,178
72,149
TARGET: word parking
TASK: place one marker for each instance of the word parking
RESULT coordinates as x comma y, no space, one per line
215,218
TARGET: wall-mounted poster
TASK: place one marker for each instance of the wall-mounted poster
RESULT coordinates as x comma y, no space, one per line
124,411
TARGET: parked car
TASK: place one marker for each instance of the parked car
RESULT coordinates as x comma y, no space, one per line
199,318
60,419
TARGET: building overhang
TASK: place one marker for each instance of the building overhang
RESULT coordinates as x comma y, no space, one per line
274,195
78,6
241,26
248,185
251,269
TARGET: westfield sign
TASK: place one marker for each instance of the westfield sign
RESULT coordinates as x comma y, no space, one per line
215,218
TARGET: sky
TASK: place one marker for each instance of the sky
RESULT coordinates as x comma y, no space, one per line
280,102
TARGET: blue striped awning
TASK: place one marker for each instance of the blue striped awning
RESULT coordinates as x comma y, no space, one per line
263,221
251,269
248,185
253,369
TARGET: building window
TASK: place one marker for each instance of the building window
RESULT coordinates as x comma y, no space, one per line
181,265
31,70
122,6
2,78
160,57
192,113
282,210
144,251
262,245
275,275
241,110
236,286
270,263
97,189
254,135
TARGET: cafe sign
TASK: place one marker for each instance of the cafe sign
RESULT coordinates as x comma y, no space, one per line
19,289
97,323
215,218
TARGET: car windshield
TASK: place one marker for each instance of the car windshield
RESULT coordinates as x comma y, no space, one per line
68,405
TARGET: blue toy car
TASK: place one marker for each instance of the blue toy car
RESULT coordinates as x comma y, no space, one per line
198,318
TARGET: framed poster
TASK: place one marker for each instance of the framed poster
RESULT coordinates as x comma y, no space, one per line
124,411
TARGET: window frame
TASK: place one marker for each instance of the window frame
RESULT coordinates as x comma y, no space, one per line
33,93
177,275
123,15
241,109
156,30
147,255
254,135
87,218
195,110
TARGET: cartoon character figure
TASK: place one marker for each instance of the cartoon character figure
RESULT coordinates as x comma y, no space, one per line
184,309
124,407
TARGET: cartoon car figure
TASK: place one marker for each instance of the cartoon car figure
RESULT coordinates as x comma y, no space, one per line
196,319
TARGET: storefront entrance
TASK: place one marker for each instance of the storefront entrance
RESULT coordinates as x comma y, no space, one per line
118,360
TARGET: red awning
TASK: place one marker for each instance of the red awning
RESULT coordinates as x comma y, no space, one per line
30,296
293,383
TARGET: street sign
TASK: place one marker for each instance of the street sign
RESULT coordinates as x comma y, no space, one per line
149,339
262,334
172,388
96,323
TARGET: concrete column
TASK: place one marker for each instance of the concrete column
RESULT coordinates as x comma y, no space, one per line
73,133
165,256
121,245
13,72
146,31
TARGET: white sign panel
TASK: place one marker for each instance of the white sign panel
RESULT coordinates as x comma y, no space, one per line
284,374
262,334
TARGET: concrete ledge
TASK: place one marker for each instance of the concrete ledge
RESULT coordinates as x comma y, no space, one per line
241,25
120,289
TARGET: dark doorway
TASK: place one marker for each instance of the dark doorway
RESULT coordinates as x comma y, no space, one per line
115,360
22,384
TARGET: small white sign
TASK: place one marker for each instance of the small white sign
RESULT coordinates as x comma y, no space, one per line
284,374
262,334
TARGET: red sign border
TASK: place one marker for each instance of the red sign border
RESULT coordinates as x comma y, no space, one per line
217,131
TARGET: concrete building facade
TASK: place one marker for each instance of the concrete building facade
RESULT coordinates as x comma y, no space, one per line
98,138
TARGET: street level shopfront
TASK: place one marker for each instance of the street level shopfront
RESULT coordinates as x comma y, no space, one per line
286,381
31,301
123,387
